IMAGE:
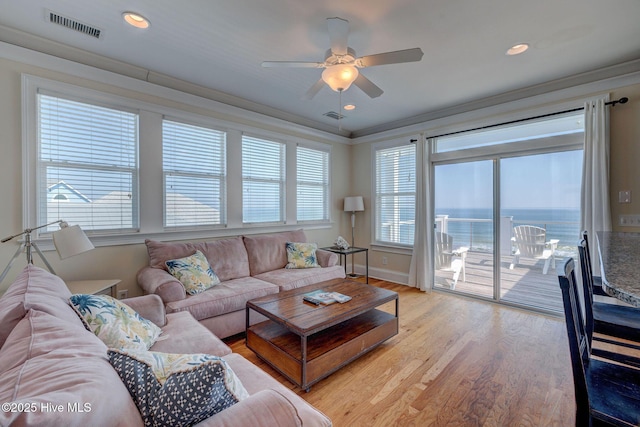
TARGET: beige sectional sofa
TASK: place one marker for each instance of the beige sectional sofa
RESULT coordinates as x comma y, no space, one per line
55,372
248,267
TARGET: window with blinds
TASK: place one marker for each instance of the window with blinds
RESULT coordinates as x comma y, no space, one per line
395,194
194,165
312,184
88,165
263,181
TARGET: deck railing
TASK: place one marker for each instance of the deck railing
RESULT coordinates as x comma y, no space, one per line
477,233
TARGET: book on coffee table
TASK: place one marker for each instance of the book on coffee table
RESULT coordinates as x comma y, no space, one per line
322,297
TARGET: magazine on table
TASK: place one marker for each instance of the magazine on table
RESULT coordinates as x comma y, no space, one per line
323,297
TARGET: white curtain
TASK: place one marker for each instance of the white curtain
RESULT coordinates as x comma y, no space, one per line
421,265
594,202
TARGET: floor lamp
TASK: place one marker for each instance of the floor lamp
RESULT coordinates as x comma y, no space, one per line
353,204
69,241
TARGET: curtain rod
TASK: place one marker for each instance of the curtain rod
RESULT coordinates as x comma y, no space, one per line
622,100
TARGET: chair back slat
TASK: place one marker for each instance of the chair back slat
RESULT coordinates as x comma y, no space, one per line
579,345
530,240
444,249
587,287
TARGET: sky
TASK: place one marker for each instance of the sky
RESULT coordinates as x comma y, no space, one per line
537,181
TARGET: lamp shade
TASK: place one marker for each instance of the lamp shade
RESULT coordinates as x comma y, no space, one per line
71,241
340,76
353,204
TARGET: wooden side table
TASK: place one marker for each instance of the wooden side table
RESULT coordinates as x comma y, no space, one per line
93,287
349,251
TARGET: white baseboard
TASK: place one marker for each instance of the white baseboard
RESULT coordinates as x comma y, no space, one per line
384,274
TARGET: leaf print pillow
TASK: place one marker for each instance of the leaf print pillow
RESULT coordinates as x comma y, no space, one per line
194,272
115,323
301,255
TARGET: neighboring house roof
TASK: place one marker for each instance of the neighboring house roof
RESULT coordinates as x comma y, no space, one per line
109,212
69,193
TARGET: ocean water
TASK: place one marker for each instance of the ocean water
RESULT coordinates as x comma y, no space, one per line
474,227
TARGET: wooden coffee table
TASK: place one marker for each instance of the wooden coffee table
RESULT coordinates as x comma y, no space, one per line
306,343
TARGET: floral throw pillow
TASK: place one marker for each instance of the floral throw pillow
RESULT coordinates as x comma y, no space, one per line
194,272
301,255
177,389
115,323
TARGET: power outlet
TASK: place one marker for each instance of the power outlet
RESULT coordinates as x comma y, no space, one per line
629,220
624,196
122,294
384,260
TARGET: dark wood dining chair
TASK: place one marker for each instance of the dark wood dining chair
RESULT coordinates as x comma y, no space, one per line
597,280
609,319
605,393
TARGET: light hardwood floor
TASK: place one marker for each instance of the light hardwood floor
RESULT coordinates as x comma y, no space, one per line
455,362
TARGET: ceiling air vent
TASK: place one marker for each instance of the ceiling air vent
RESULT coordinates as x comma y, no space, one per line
334,115
73,24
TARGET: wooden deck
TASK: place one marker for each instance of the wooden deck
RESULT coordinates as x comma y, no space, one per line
524,286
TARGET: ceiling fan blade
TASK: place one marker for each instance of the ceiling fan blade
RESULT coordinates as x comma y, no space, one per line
399,56
292,64
313,90
338,33
367,86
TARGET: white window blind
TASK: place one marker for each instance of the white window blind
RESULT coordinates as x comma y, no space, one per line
88,165
263,180
312,184
194,164
395,194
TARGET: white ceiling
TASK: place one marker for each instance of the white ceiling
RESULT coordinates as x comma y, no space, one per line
220,45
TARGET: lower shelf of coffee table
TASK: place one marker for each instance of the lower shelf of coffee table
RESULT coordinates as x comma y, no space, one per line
327,350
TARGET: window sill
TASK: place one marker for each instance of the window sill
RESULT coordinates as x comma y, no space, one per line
394,249
46,244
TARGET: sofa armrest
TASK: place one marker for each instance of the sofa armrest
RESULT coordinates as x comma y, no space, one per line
157,281
150,307
326,258
266,408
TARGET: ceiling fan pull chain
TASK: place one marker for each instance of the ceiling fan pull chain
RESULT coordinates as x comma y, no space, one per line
339,110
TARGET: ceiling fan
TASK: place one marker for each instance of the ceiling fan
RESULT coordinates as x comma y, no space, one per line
341,63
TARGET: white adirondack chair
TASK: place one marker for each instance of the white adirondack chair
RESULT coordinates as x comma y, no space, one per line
449,259
530,242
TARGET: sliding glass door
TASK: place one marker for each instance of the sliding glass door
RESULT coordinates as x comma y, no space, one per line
540,200
507,210
464,246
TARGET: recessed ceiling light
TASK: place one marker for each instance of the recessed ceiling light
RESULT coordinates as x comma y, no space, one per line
517,49
349,107
136,20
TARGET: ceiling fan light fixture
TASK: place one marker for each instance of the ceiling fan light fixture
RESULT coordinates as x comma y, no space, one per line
135,20
340,76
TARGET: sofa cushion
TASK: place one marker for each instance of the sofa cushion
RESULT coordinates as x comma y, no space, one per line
265,408
114,322
227,257
301,255
187,335
295,278
194,272
177,389
226,297
49,363
34,288
268,252
255,380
